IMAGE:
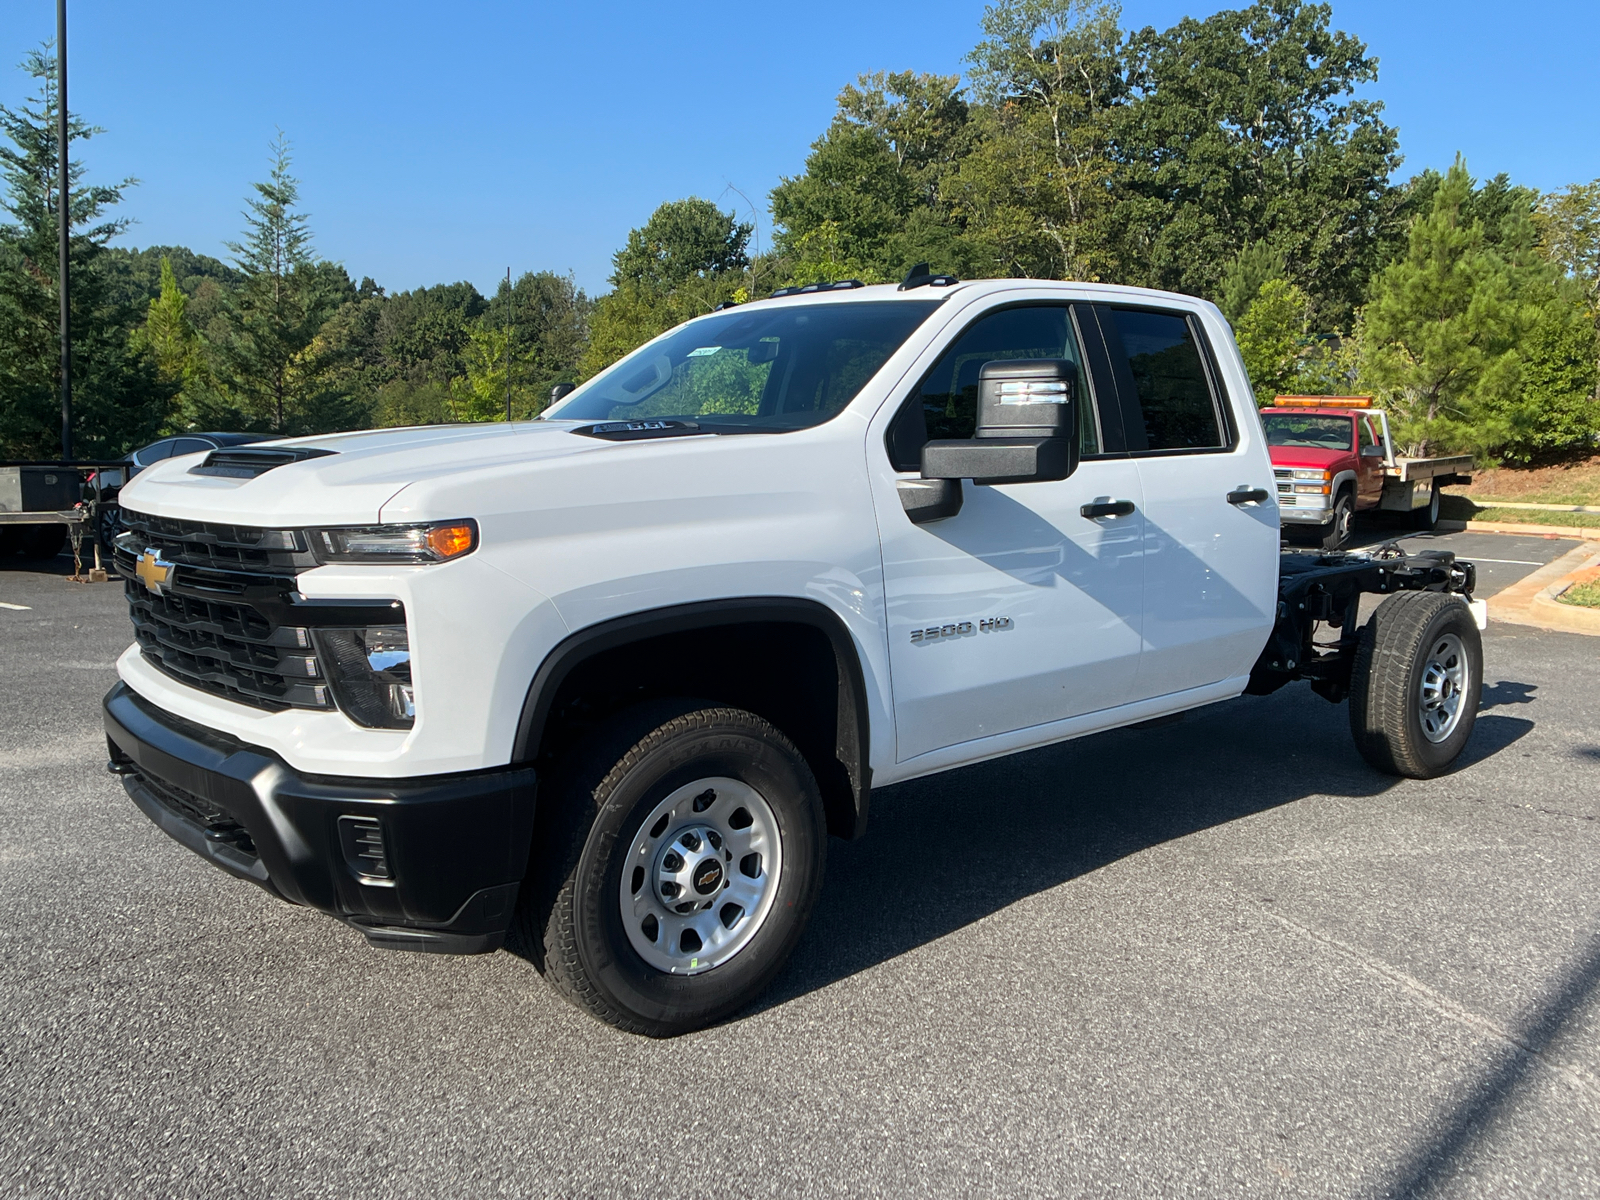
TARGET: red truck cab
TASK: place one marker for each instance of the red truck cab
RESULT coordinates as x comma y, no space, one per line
1329,458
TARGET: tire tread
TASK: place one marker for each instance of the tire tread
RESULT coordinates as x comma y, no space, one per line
1380,694
547,924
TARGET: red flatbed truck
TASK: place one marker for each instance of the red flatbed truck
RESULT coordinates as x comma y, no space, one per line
1332,457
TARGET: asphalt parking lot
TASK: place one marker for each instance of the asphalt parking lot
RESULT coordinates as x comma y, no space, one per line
1218,957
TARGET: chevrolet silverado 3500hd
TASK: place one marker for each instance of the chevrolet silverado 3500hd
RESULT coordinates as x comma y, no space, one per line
607,680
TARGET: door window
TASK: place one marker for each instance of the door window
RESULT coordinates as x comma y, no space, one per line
1161,371
190,446
945,404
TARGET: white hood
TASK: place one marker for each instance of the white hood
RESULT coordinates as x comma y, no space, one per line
351,484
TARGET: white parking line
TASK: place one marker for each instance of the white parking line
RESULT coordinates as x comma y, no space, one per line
1515,562
17,607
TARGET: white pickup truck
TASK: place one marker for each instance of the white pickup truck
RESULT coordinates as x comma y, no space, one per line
606,681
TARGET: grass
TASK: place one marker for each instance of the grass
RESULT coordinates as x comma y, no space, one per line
1585,594
1533,516
1454,507
1576,482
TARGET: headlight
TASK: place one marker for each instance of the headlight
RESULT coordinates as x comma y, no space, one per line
1313,474
434,542
370,671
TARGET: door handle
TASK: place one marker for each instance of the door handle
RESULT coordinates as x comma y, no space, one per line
1108,508
1246,495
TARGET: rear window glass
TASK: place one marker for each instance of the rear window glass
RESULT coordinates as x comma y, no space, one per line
1168,377
764,368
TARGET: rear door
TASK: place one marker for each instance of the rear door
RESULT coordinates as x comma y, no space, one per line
1210,562
1020,610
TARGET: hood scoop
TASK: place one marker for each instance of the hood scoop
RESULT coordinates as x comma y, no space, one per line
246,462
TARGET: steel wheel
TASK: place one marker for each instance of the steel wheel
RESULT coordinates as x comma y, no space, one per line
700,876
1446,677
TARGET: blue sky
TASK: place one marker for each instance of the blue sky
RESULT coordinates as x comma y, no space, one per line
438,142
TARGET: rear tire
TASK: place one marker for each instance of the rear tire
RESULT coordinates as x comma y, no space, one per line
711,804
1426,517
1415,684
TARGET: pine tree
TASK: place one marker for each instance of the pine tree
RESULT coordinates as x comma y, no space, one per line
1443,328
117,400
170,340
274,316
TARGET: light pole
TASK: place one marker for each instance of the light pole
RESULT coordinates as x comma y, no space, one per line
63,229
509,317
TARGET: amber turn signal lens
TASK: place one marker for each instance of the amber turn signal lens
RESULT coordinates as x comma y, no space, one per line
448,541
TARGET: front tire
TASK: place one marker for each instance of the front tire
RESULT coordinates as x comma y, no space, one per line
679,859
1415,684
1343,524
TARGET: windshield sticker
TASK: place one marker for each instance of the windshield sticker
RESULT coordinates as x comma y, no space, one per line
703,351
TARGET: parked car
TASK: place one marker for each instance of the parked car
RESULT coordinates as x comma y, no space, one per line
109,482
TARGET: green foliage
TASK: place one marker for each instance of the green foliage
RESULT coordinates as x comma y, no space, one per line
873,198
1251,269
1275,340
117,399
1556,410
169,340
1242,128
683,241
1444,325
1036,191
268,375
684,261
1568,222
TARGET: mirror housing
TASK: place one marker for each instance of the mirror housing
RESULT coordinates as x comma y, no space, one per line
560,390
1027,426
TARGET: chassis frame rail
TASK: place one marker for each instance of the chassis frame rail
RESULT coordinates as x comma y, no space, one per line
1326,589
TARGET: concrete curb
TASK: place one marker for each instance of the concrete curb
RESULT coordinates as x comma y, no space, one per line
1532,601
1586,533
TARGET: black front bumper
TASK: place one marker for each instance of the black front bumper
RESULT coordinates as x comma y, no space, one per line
454,846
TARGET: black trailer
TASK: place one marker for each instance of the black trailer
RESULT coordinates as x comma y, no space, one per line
44,504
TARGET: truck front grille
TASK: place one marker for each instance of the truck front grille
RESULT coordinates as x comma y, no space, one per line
222,620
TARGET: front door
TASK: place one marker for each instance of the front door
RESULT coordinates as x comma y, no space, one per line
1369,463
1019,610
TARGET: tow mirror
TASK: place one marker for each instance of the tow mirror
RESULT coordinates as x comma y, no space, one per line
1027,426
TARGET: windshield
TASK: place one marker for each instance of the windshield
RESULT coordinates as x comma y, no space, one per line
1319,433
766,368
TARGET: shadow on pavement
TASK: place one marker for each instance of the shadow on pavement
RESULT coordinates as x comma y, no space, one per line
1428,1168
1505,692
949,850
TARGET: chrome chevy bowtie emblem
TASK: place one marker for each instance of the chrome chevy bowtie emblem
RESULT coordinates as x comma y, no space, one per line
153,572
